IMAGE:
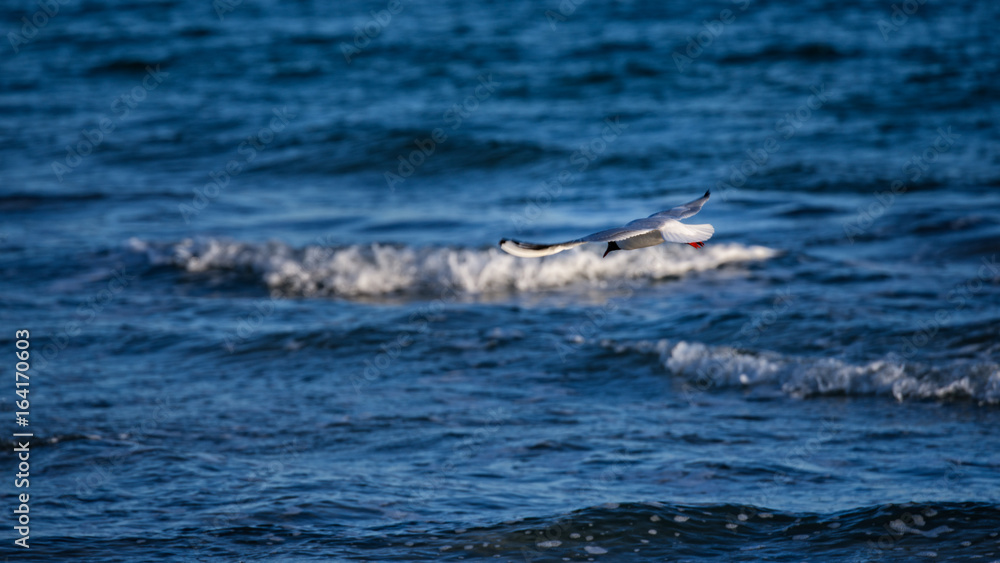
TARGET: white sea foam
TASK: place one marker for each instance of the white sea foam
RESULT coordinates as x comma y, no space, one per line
379,269
707,367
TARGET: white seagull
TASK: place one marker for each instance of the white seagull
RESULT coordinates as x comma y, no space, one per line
664,226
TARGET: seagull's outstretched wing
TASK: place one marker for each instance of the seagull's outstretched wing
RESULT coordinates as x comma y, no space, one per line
532,250
637,234
655,229
686,210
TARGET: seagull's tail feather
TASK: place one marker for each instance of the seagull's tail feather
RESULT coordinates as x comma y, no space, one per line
532,250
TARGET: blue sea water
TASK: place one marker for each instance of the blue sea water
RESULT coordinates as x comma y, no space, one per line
255,245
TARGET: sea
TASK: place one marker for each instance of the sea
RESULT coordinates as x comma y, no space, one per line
254,307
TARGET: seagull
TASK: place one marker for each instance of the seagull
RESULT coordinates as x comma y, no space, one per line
664,226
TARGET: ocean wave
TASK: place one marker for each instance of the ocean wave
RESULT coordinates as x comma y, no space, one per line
383,269
661,531
628,531
718,367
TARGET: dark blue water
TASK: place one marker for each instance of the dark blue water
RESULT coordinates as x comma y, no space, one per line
254,244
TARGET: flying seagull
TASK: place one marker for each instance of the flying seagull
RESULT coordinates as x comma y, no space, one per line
664,226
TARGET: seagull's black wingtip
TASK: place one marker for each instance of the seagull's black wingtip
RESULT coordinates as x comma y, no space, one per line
503,240
612,246
707,193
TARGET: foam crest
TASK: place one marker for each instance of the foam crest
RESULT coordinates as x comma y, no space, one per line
379,269
707,367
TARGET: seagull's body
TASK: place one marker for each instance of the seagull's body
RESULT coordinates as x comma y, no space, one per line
664,226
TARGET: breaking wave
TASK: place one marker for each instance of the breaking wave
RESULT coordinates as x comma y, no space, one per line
655,531
383,269
715,367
